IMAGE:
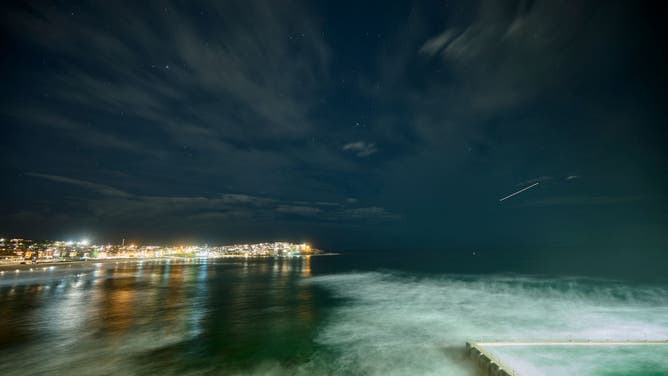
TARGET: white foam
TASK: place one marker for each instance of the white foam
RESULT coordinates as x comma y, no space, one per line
397,324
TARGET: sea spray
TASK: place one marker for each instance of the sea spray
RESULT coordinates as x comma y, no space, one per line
398,323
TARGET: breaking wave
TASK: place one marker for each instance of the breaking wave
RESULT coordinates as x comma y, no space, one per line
399,324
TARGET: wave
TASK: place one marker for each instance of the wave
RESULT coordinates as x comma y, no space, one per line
398,324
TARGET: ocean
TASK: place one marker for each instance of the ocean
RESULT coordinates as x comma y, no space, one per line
369,313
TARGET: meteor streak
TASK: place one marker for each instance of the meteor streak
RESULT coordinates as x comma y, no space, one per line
520,191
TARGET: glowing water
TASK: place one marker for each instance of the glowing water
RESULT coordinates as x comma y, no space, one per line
290,317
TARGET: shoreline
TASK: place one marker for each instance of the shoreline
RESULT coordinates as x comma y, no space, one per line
20,266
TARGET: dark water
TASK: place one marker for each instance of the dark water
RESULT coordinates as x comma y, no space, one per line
158,316
319,315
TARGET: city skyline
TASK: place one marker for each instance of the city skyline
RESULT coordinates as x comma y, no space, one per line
22,251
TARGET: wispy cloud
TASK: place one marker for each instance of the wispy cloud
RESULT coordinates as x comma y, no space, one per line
298,210
370,213
99,188
361,148
119,204
489,51
434,45
232,84
228,104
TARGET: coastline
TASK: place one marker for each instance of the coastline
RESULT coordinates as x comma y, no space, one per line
19,266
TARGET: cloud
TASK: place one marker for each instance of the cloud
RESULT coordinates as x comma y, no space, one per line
361,148
235,110
83,132
434,45
298,210
121,205
99,188
492,58
178,90
218,90
370,213
257,76
488,52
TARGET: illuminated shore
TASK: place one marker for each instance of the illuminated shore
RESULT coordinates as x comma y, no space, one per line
21,265
25,251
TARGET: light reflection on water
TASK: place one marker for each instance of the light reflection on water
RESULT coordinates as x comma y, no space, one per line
156,316
306,316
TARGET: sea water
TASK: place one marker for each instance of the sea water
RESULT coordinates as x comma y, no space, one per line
302,316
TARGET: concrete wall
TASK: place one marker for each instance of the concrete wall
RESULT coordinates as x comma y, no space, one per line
485,362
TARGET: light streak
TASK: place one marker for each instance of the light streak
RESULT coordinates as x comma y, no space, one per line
520,191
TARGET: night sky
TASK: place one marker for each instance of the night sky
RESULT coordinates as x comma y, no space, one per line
351,125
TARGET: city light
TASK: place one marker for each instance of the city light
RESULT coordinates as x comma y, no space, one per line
26,251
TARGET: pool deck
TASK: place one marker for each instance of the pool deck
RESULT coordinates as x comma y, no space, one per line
574,343
490,365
